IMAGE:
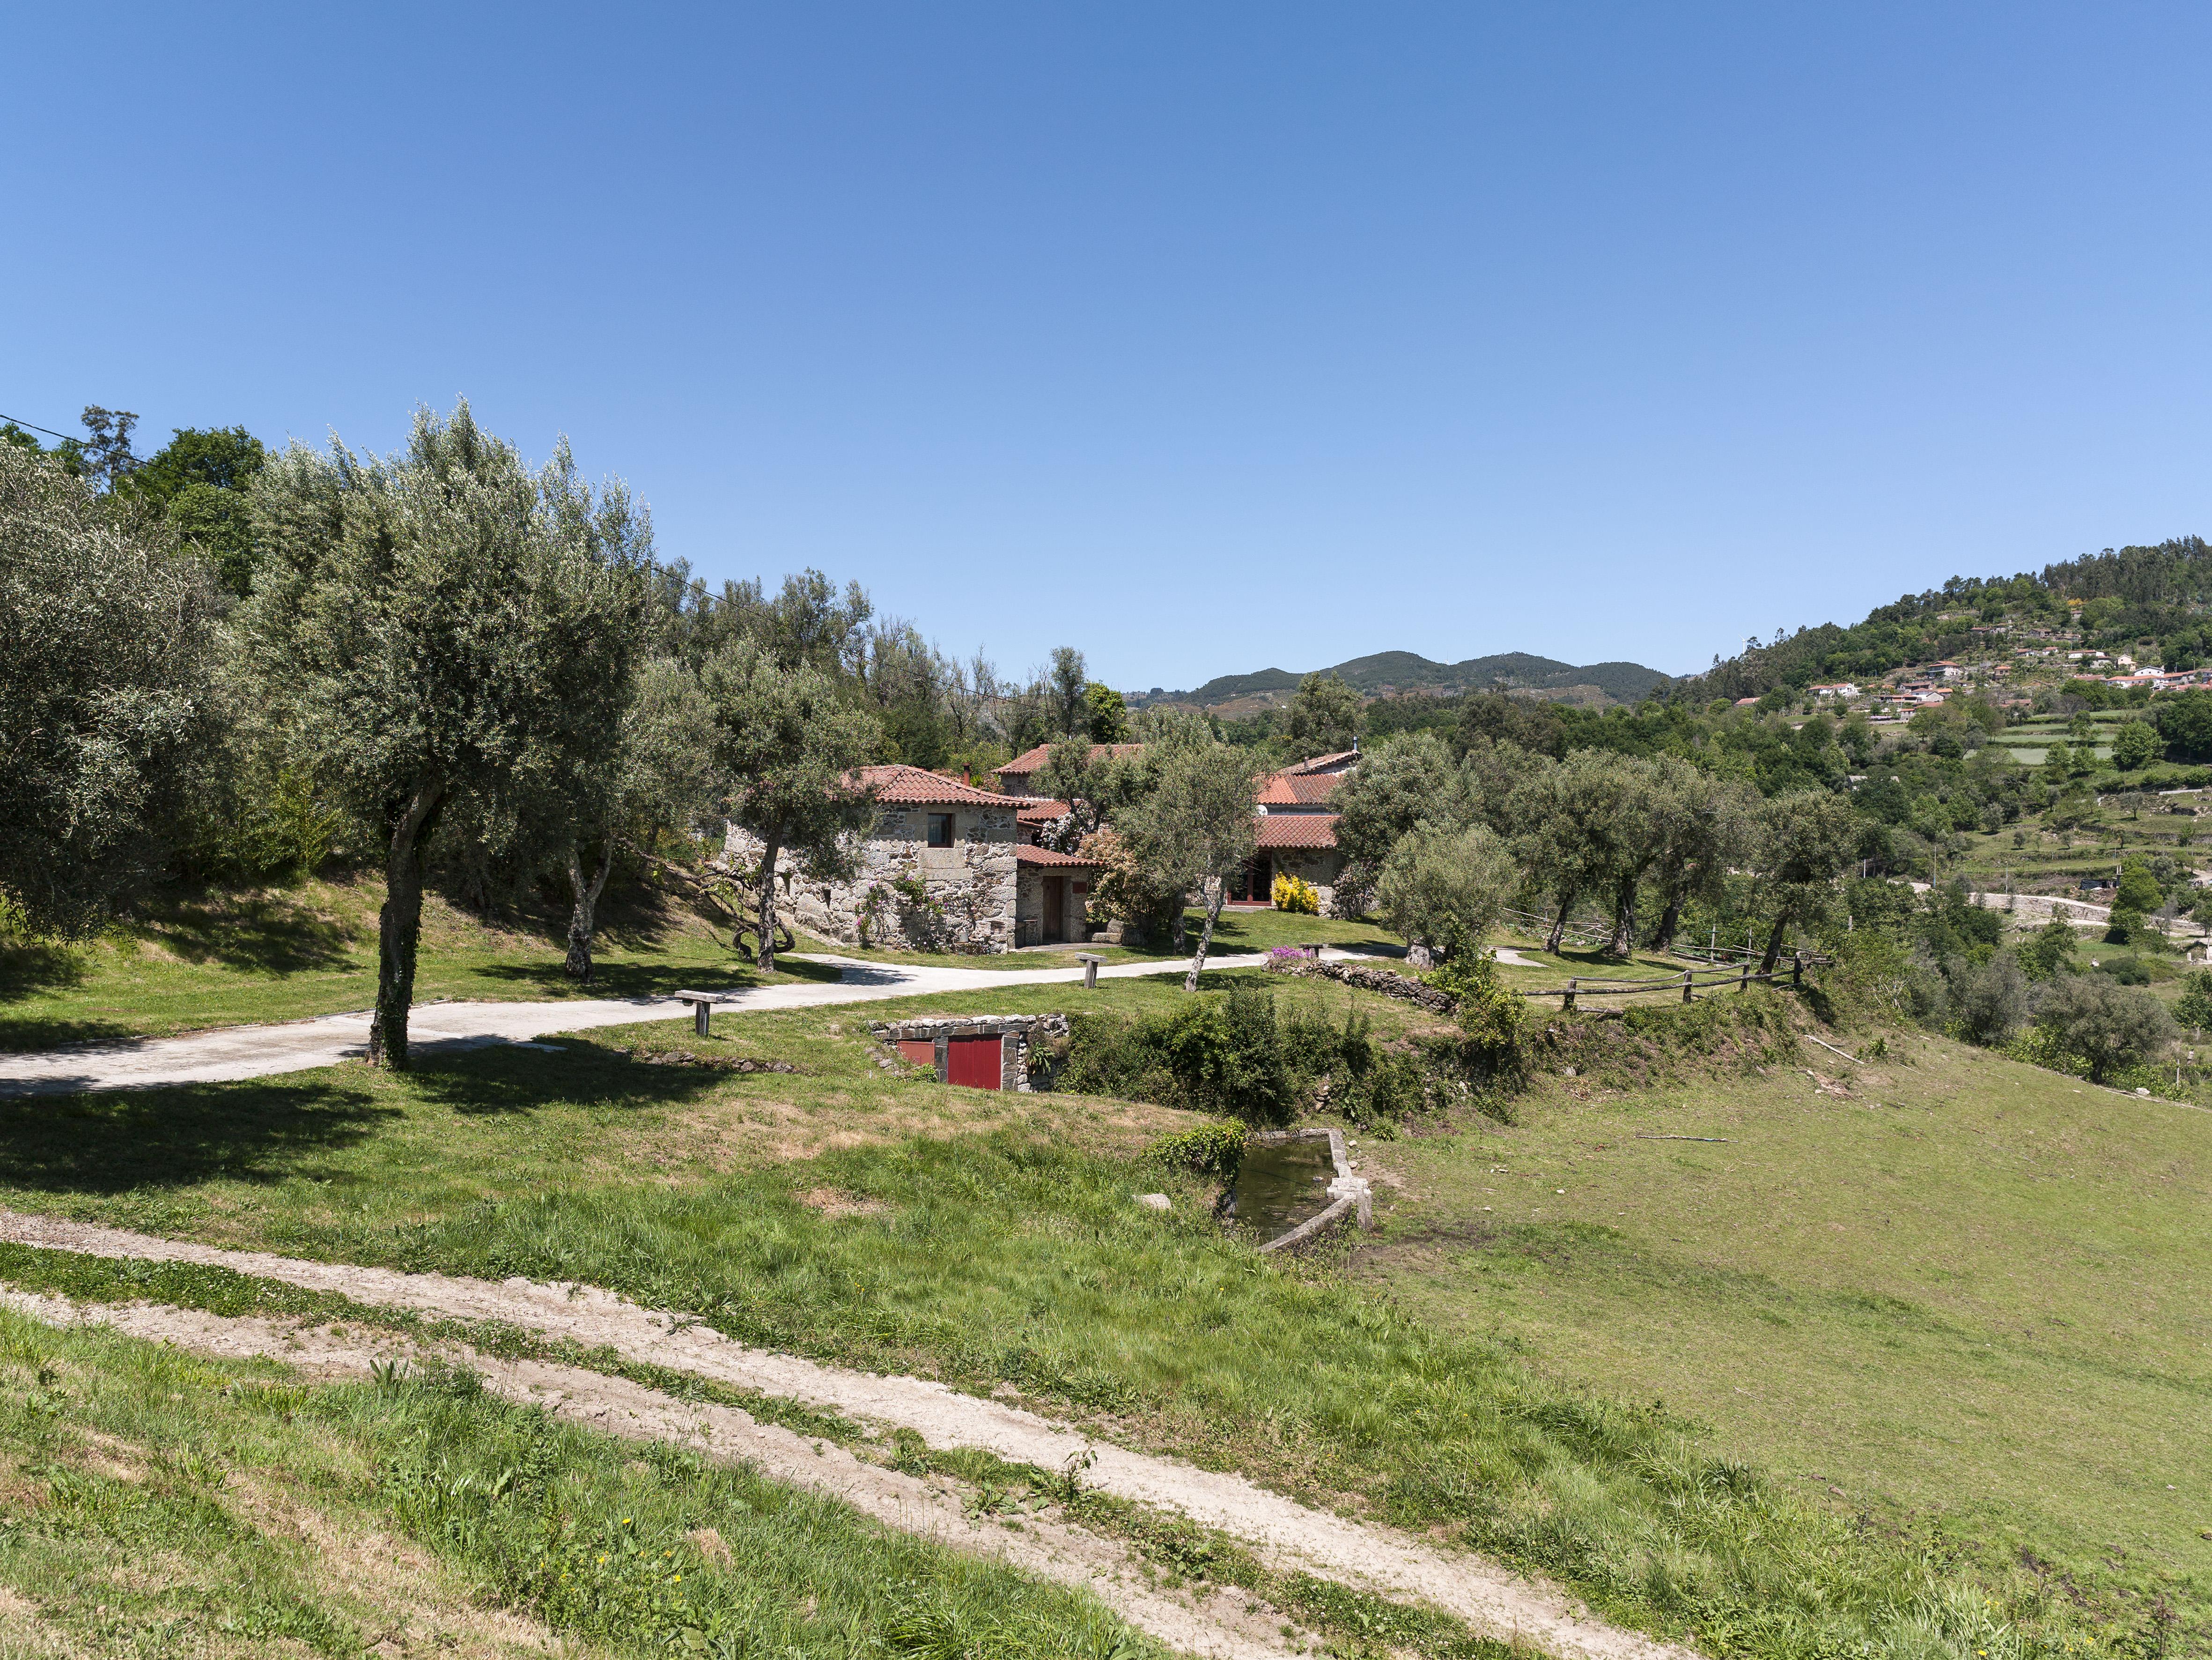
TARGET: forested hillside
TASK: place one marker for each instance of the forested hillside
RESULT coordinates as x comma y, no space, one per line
1406,670
2153,596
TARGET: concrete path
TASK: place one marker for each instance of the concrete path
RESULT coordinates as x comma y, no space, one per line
236,1052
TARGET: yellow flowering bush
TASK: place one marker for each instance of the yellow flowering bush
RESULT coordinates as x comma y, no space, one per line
1296,894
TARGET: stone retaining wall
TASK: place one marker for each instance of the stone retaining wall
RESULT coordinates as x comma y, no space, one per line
1382,980
1020,1033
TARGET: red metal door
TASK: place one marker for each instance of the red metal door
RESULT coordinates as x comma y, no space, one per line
919,1051
973,1062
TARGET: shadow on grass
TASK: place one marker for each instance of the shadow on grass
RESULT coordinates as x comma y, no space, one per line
269,934
583,1072
548,980
172,1138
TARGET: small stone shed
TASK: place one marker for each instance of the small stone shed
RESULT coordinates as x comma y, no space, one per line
936,872
1051,896
984,1051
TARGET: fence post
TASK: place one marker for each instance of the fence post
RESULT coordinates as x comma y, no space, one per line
1743,975
1686,985
1567,997
1797,968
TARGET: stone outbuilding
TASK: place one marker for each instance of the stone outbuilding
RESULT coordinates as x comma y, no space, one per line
1297,831
946,866
935,872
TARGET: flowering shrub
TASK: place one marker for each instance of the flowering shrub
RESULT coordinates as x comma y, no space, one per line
1282,958
1296,894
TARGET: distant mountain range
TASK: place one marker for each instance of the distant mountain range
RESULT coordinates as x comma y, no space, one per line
1391,671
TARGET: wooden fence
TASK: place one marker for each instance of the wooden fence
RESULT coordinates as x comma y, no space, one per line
1740,975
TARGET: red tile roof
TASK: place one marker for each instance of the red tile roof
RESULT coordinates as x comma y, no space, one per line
1316,763
1027,763
1036,812
1026,854
1294,789
1298,830
900,786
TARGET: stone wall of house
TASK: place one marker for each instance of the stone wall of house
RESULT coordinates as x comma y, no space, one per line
968,888
1318,866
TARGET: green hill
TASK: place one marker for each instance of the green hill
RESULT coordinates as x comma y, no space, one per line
1405,671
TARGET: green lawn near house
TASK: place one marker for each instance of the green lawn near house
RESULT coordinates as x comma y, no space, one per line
221,956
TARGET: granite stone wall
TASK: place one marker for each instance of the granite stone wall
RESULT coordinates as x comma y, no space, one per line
967,890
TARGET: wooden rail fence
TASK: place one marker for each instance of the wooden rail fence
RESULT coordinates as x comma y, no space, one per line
1740,975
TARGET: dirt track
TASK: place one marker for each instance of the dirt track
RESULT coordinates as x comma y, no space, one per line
1285,1535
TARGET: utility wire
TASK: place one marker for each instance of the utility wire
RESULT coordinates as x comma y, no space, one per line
34,427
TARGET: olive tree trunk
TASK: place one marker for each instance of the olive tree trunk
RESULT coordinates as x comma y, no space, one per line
1669,920
1774,943
1216,890
1624,918
399,928
766,956
583,915
1567,898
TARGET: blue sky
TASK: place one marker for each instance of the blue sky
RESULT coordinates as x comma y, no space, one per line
1204,338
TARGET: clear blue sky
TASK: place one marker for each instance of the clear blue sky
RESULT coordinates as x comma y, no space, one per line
1204,338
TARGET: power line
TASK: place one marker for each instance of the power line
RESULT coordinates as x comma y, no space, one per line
34,427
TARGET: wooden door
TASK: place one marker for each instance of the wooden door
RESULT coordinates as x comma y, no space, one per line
973,1062
1055,908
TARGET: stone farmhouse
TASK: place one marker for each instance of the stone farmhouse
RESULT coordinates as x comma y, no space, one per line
1297,831
946,866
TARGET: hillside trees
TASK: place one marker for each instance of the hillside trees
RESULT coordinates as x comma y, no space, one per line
445,626
105,685
784,744
1323,717
199,484
1706,825
2109,1025
1803,843
1576,818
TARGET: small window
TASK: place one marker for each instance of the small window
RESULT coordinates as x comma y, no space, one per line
940,830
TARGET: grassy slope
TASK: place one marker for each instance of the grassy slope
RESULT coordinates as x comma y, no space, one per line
222,958
154,1502
1968,1287
1003,1248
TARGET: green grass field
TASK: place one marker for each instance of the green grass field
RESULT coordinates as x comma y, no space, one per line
156,1504
1956,1288
1869,1295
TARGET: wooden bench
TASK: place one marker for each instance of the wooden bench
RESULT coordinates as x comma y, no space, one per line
702,1004
1090,960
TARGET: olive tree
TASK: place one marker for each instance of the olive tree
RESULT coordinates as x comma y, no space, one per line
1803,842
1196,829
786,746
1576,820
659,775
105,679
2111,1026
1705,826
447,628
1446,888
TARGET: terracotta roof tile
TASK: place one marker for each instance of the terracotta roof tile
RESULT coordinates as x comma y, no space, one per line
1315,763
1292,789
1027,763
1026,854
1036,812
897,786
1298,830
